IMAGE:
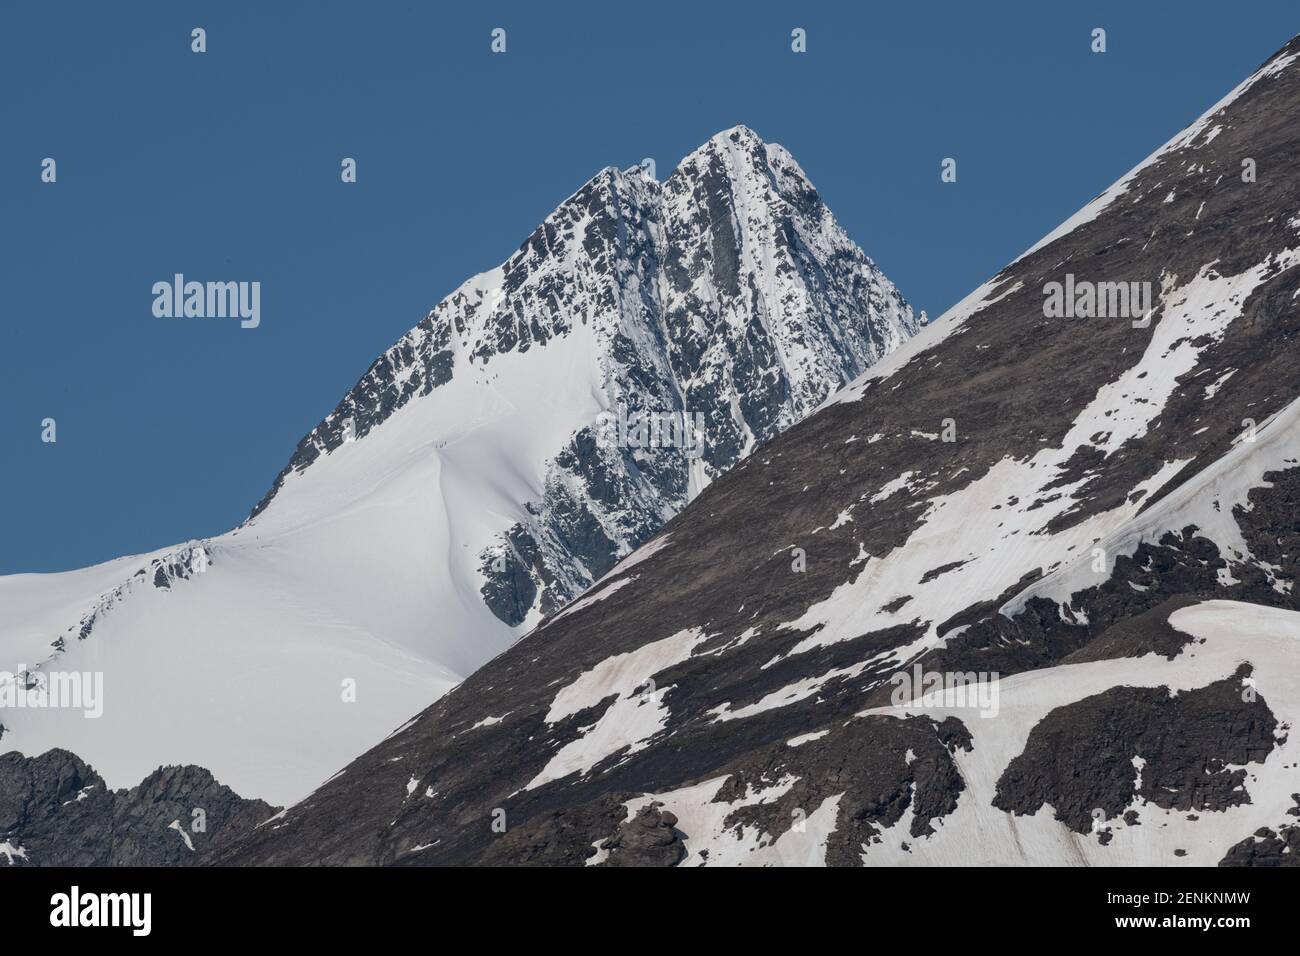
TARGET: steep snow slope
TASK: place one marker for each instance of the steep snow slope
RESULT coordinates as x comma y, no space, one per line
1060,504
472,481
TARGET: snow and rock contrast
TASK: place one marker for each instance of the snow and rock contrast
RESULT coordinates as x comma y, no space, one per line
56,811
1025,593
539,424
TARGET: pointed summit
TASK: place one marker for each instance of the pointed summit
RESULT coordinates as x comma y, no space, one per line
481,475
744,155
754,240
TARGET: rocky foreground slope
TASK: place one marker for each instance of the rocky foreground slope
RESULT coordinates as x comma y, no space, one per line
56,811
1025,593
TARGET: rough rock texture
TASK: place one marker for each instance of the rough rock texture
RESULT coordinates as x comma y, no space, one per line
647,839
1178,750
56,811
1268,846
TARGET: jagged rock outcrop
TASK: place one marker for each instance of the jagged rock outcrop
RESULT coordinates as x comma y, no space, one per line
56,811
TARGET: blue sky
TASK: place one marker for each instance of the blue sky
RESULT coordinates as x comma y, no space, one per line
225,165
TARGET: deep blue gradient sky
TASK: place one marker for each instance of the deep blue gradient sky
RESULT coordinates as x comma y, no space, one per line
225,166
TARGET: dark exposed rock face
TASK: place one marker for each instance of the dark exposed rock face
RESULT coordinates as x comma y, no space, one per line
648,839
1081,758
1268,846
56,811
561,838
880,770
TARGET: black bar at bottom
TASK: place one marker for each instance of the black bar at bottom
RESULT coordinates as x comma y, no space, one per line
333,906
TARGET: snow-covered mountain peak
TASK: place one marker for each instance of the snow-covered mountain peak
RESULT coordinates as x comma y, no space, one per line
727,294
740,162
538,424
